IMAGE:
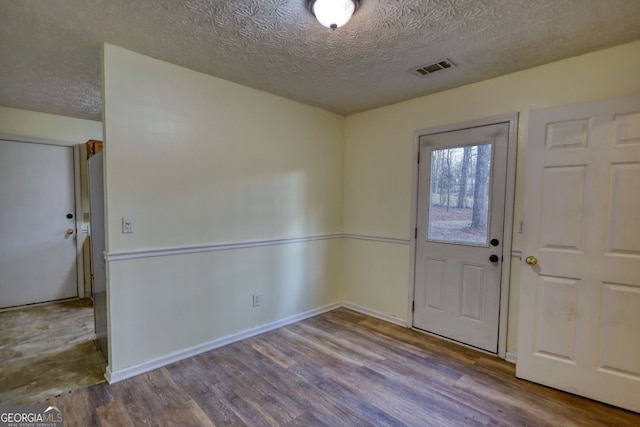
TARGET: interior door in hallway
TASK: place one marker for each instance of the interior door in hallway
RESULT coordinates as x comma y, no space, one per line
579,324
37,223
459,241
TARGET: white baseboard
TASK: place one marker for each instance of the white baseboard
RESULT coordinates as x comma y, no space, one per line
373,313
141,368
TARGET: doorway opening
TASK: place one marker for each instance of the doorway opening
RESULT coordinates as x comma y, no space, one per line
46,315
48,349
463,218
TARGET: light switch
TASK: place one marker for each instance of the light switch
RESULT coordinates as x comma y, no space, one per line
128,223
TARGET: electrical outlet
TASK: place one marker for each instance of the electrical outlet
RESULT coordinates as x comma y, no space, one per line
128,223
256,299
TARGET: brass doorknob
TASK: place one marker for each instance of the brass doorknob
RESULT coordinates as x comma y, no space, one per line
69,231
531,260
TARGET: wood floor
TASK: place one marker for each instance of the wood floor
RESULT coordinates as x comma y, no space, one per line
337,369
46,350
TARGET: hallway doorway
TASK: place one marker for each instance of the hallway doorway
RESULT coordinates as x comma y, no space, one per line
47,350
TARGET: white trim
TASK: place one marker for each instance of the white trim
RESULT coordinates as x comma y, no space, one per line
211,247
225,246
373,313
413,225
511,357
383,239
79,218
487,121
141,368
516,253
36,140
512,144
507,236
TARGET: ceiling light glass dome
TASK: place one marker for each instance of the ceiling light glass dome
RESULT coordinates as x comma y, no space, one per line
333,13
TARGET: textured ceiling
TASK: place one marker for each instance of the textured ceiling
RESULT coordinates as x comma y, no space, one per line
50,49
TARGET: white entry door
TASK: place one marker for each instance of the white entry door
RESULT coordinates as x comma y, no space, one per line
579,323
461,200
37,224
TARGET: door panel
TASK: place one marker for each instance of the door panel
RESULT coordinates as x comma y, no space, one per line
561,207
623,231
579,324
620,317
460,210
556,335
474,294
434,273
37,238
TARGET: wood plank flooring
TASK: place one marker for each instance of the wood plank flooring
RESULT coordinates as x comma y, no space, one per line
46,350
338,369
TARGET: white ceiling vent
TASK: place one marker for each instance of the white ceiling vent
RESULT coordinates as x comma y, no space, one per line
424,70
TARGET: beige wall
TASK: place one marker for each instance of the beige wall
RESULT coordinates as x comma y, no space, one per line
64,131
198,160
378,161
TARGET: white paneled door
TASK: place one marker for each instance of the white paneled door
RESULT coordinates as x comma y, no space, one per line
459,238
579,323
37,223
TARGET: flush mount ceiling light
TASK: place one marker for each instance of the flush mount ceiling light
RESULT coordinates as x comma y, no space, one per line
333,13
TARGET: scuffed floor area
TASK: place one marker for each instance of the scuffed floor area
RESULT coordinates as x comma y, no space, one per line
47,350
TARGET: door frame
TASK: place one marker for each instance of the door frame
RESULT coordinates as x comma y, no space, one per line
512,145
77,196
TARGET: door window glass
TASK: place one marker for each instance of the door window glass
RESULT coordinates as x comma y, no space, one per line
459,199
